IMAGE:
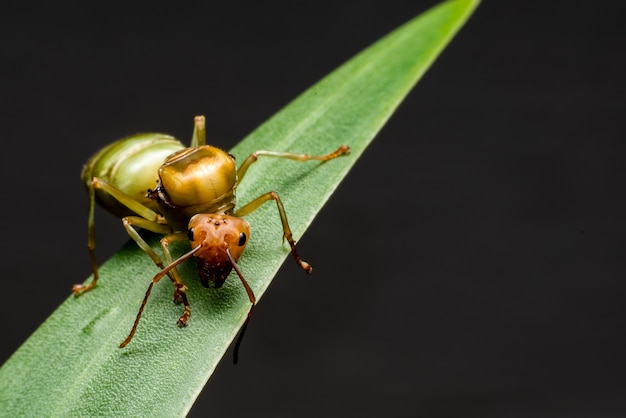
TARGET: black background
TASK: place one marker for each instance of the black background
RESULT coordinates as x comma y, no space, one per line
472,263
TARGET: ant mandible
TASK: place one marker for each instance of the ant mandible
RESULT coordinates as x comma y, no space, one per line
194,200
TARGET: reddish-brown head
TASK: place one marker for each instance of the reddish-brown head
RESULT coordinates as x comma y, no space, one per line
215,233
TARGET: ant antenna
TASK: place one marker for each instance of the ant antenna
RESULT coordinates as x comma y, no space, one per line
156,279
252,298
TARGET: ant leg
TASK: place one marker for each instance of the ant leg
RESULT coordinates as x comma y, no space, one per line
155,280
342,150
130,221
256,203
180,291
132,204
91,244
124,199
199,132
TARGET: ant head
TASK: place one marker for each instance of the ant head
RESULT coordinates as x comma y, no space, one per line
215,233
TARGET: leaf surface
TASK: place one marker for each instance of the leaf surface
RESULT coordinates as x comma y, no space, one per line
72,366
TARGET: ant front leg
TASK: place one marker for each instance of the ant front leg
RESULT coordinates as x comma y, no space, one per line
256,203
130,221
180,291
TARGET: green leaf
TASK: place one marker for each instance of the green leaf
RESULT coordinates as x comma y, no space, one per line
72,366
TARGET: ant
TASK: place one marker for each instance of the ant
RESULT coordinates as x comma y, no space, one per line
194,199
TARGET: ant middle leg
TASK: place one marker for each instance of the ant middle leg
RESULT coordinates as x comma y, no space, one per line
147,219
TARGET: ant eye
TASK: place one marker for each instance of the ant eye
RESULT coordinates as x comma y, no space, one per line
242,238
190,234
